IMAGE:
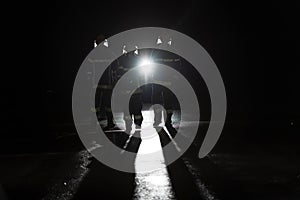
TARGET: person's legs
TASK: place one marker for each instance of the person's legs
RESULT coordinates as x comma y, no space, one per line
169,124
106,98
135,108
138,119
128,123
157,115
109,115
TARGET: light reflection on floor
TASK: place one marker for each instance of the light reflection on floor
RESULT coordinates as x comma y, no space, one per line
155,184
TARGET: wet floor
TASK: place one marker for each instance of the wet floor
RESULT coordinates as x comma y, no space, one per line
74,174
153,184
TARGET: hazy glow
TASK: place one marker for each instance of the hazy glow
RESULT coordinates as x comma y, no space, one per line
145,66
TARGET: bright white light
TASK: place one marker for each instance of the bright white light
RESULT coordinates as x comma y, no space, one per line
136,52
145,66
124,49
145,61
170,42
105,43
158,42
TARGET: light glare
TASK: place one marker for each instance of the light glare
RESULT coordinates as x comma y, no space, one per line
145,66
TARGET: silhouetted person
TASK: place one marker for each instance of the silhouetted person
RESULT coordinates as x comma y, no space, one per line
103,98
135,107
158,94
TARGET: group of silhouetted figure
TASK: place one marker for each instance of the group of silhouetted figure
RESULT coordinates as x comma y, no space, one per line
151,94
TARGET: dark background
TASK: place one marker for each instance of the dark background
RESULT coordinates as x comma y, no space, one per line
254,45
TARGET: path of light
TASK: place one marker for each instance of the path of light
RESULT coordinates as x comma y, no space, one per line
155,184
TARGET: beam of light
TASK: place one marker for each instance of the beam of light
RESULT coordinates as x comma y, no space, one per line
155,184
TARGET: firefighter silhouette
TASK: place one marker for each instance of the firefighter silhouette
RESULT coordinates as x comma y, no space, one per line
148,94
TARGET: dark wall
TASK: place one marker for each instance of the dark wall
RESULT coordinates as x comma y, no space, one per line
254,44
